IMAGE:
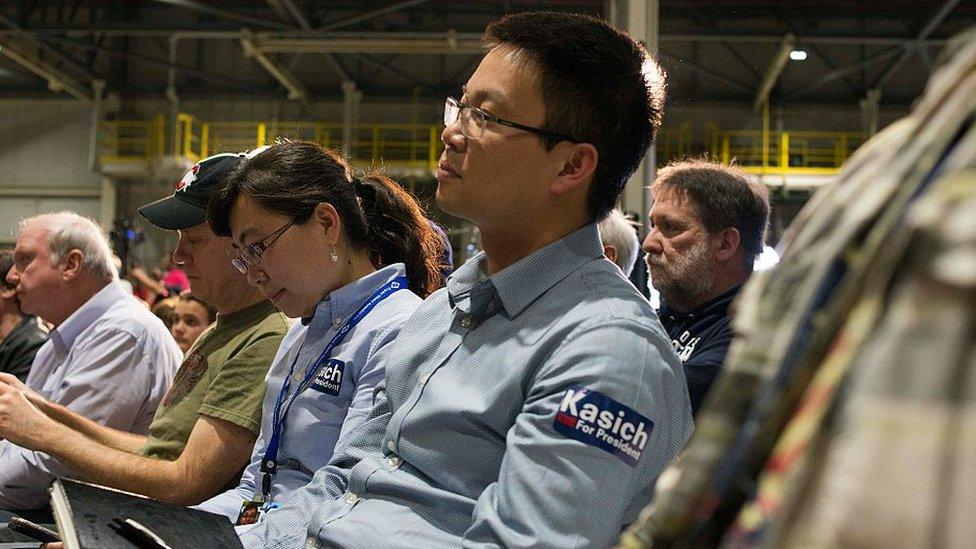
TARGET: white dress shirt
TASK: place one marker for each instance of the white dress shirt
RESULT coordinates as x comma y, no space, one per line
112,361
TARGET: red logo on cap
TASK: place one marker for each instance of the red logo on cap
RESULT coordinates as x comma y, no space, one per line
189,178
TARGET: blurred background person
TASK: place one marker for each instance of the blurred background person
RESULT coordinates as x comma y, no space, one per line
190,319
21,334
620,242
708,224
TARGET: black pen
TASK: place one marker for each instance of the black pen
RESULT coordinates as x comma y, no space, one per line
142,537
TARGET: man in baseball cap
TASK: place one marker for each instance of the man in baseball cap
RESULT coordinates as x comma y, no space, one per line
203,431
187,207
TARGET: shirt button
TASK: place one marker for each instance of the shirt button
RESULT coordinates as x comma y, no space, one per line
336,322
466,322
391,445
424,378
393,462
351,497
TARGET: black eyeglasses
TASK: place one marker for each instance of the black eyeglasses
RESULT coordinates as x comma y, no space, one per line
251,254
473,121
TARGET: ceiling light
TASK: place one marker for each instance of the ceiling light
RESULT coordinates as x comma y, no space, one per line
798,55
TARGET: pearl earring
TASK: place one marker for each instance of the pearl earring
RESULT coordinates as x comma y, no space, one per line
333,256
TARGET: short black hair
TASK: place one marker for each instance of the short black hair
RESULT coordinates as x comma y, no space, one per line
722,196
599,86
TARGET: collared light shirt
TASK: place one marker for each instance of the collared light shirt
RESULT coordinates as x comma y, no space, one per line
317,419
469,444
111,361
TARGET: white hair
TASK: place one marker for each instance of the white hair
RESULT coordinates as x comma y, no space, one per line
618,231
69,231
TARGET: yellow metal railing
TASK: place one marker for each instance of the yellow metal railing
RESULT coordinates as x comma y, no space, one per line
798,152
131,141
673,143
193,137
418,146
400,145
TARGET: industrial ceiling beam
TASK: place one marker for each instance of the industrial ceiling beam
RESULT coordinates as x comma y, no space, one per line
57,80
840,72
917,43
296,90
287,10
375,43
741,86
774,70
370,14
290,32
225,14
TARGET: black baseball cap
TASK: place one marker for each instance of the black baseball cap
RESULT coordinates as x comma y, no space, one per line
187,207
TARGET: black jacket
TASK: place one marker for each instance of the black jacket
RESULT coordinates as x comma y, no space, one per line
701,338
17,350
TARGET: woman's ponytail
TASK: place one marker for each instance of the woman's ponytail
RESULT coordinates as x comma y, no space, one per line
398,231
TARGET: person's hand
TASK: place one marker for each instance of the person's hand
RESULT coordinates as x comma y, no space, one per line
21,422
33,396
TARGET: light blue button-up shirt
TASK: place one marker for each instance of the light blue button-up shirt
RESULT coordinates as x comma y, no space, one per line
471,444
317,419
111,361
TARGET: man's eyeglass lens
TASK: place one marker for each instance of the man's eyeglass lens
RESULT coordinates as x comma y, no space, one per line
473,121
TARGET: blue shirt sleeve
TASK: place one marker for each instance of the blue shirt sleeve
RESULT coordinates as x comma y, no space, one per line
554,490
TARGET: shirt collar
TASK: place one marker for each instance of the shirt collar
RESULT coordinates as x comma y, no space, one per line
524,281
717,305
65,334
247,315
340,304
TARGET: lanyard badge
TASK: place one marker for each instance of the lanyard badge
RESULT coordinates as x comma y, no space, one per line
252,509
269,463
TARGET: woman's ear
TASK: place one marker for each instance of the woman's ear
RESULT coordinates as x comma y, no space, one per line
326,217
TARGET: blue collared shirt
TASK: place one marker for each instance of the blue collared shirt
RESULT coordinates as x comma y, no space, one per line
467,443
111,361
318,420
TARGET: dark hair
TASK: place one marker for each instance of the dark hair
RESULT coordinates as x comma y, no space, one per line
165,310
6,262
599,86
379,216
211,310
723,197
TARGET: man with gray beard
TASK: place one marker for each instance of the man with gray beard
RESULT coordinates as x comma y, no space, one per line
707,227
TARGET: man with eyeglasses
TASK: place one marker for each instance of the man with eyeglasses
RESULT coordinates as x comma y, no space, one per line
536,399
204,429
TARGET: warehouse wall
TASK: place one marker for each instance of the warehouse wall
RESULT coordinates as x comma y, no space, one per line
44,161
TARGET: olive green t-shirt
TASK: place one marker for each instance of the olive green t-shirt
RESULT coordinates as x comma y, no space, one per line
222,376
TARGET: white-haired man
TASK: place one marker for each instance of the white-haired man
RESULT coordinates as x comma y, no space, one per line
108,358
620,242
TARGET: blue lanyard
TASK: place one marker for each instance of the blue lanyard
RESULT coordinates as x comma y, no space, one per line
269,464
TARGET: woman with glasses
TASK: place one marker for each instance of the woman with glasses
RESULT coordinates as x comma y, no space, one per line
352,258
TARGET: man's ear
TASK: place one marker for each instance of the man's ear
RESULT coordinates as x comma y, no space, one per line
578,169
729,242
72,264
610,251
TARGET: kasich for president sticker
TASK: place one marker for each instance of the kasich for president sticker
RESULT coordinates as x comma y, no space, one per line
329,378
598,420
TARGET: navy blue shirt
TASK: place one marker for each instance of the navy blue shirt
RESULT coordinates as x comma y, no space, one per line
701,338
